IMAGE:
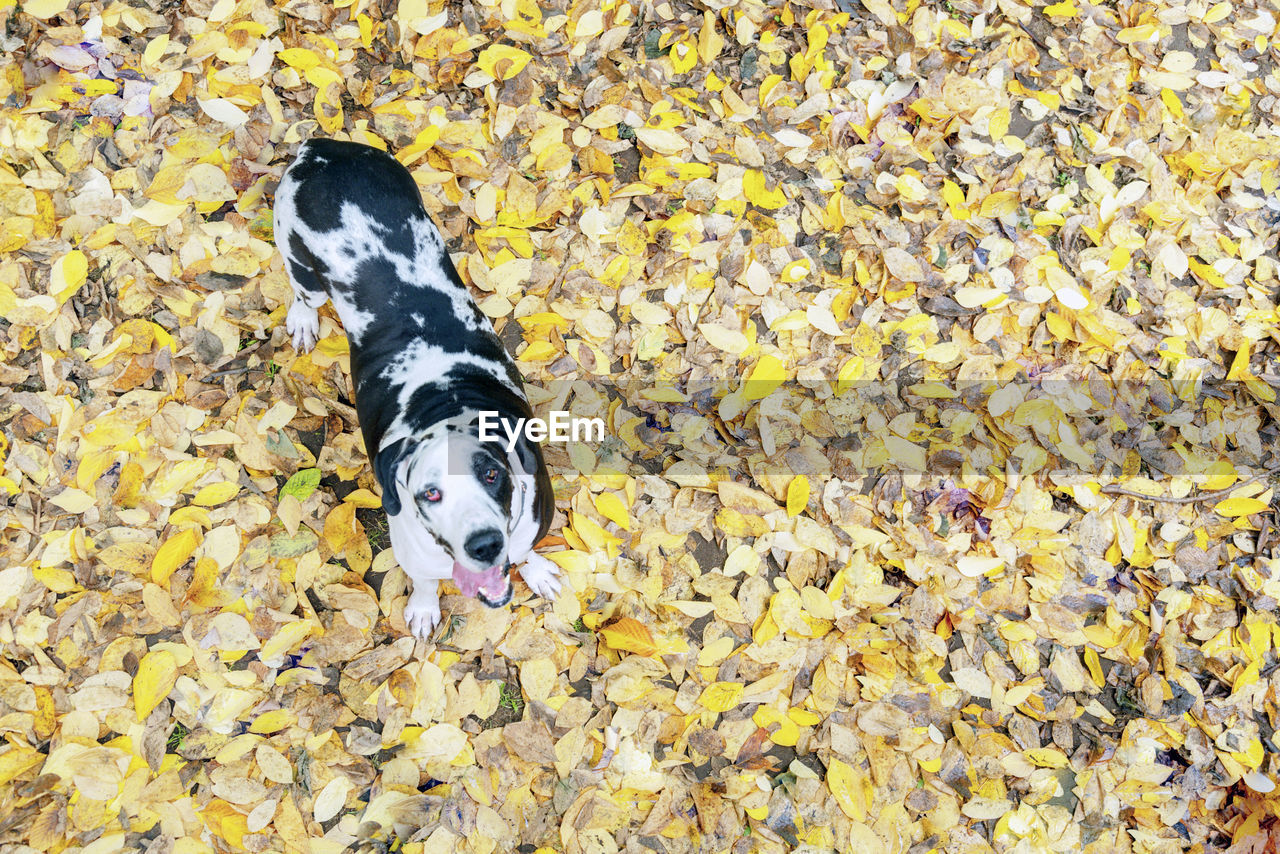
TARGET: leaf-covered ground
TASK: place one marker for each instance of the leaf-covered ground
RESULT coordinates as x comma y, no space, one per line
936,343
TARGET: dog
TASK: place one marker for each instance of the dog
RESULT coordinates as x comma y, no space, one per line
425,363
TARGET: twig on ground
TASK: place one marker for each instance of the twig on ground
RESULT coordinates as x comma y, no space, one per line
243,369
1112,489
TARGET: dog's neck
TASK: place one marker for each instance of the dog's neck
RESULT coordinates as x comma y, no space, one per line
453,405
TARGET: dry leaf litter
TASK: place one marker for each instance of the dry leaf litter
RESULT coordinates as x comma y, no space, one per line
936,345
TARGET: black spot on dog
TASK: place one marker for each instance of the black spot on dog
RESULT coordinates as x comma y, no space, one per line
363,176
393,301
307,270
399,239
485,462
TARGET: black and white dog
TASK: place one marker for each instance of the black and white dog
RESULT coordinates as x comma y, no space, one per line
425,362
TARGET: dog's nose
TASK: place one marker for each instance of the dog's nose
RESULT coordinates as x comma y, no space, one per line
484,545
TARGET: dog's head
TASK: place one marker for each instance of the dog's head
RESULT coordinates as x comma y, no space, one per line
460,489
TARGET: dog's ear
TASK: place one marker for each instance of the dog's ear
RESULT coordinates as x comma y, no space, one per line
529,458
384,469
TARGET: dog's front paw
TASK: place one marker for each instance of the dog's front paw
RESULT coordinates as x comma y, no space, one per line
303,323
542,576
422,611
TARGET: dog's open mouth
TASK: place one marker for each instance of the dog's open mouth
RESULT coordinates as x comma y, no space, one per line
492,586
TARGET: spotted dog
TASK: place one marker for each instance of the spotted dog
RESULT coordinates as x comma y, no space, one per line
425,362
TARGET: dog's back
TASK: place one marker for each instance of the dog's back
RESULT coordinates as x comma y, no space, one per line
350,223
329,174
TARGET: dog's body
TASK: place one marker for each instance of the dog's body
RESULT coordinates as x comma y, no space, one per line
425,362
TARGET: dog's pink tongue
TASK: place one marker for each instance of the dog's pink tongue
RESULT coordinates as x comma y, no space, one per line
470,583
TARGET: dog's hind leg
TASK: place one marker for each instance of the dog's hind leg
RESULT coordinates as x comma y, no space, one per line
302,267
303,321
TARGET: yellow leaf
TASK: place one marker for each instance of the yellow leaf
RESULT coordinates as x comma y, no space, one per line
851,372
283,641
716,651
766,88
109,430
226,822
1133,35
765,377
796,270
782,730
842,782
998,124
1239,370
737,524
539,351
192,143
57,580
321,76
1095,666
44,9
1239,507
273,721
662,141
73,500
215,494
67,275
611,507
629,635
299,58
17,760
173,554
999,204
797,495
205,590
1047,757
972,566
134,558
683,56
817,603
884,11
729,340
156,676
363,498
1213,16
934,391
502,62
753,187
327,107
1207,273
1220,475
721,696
631,240
742,559
340,527
709,41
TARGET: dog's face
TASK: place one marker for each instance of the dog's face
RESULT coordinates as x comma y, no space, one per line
462,493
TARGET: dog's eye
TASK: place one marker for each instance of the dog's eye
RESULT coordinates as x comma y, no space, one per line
431,494
490,475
